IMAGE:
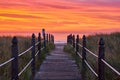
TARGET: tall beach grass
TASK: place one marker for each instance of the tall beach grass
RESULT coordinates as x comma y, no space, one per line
23,44
112,54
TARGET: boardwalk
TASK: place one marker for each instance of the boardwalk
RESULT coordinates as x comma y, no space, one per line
58,66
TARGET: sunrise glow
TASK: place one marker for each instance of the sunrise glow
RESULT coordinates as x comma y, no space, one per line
60,16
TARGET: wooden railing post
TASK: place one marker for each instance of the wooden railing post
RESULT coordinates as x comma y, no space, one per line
49,38
43,32
14,50
77,42
39,45
33,55
83,49
67,39
70,39
73,41
83,66
53,40
100,57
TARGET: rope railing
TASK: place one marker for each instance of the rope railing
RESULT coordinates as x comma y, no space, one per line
80,45
25,67
15,55
79,55
89,51
118,73
37,53
100,56
91,68
87,64
25,51
77,44
18,55
1,65
29,62
37,43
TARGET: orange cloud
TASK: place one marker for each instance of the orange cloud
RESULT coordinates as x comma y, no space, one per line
59,16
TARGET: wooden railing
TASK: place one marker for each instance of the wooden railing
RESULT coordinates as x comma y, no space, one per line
101,55
14,59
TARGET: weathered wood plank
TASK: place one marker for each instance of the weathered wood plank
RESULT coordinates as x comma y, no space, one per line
58,66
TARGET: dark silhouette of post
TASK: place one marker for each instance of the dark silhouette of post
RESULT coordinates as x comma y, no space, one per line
39,45
33,55
77,42
101,56
73,41
14,50
53,39
67,39
83,49
83,66
47,39
70,39
43,32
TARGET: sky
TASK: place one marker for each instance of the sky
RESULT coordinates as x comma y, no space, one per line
59,17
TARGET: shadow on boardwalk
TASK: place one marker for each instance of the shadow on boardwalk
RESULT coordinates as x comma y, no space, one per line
58,66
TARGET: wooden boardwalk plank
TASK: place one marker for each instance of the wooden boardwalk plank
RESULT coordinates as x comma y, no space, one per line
58,66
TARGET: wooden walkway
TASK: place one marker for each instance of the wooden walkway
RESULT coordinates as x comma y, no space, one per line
58,66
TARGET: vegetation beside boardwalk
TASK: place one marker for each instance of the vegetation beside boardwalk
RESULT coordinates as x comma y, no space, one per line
112,54
23,44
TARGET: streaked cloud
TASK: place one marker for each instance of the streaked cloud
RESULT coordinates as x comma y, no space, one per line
20,16
60,16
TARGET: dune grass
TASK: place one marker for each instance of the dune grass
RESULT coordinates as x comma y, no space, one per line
112,54
23,44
